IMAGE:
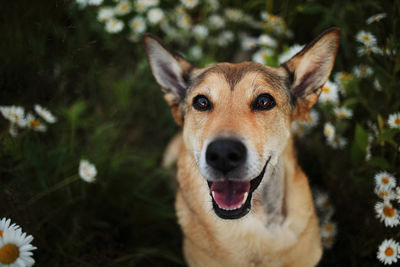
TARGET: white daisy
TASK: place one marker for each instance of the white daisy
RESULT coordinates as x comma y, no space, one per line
329,131
87,171
6,224
266,40
105,13
34,124
249,43
327,242
329,93
394,120
261,56
94,2
16,248
328,228
338,142
82,3
13,130
138,24
363,71
142,5
377,85
155,15
45,114
388,251
322,200
114,25
123,8
200,32
216,22
375,18
184,21
387,214
213,4
190,3
343,112
196,52
368,50
15,114
386,194
366,38
302,127
225,38
385,180
289,53
233,14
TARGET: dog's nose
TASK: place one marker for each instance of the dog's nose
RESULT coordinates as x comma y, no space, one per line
225,155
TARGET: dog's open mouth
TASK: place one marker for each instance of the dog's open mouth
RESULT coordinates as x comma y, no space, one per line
232,199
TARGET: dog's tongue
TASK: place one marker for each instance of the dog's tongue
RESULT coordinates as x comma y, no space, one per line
230,194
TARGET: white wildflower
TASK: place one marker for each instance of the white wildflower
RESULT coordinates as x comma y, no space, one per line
394,120
376,18
87,171
388,251
266,40
387,214
329,93
249,43
261,56
190,3
45,114
123,8
216,22
200,32
343,112
114,25
105,13
138,24
155,15
363,71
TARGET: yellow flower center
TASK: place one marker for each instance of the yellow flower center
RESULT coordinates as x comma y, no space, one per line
397,121
345,76
326,89
388,211
328,228
328,132
34,123
341,114
326,203
136,25
366,38
16,117
114,24
9,253
384,194
329,240
389,252
124,7
385,180
272,18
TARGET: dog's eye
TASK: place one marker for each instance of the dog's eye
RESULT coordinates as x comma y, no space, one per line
263,102
200,102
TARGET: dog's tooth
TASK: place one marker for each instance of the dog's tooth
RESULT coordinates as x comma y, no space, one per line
213,194
244,198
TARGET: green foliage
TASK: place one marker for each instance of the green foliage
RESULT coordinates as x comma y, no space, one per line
111,112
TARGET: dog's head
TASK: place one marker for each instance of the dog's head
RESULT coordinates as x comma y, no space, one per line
236,117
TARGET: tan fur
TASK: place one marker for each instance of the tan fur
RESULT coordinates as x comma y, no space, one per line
285,236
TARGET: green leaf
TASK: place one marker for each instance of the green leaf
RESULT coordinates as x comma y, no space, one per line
379,163
359,145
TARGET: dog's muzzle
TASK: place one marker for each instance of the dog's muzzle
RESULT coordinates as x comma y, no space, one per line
231,196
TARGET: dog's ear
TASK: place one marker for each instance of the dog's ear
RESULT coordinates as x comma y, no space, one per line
309,69
171,71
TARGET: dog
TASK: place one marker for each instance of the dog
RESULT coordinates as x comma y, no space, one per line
242,198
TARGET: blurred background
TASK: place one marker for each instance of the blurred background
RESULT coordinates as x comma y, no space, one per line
83,61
